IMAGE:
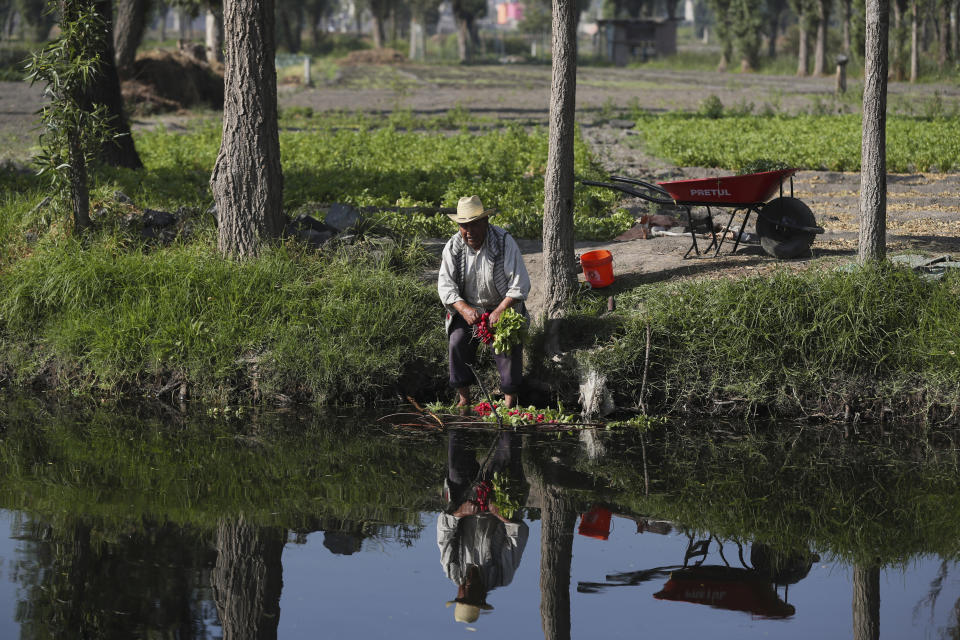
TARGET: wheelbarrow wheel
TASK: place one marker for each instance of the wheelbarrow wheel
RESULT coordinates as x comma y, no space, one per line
777,226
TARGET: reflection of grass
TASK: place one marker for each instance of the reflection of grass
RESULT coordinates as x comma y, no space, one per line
119,468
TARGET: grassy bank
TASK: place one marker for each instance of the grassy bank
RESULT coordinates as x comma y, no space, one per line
871,341
117,312
820,142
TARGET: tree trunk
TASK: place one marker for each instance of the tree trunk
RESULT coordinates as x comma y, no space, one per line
559,272
866,603
873,158
79,189
164,10
463,40
955,29
214,34
803,52
914,53
248,578
291,25
128,32
247,181
943,48
417,39
774,28
105,90
379,35
895,60
556,553
820,54
847,20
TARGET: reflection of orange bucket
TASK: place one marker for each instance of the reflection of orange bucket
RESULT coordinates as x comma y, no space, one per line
595,523
598,267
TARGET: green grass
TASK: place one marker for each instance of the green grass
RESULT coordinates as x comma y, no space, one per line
875,339
819,142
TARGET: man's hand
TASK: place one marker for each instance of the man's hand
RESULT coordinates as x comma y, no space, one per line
468,508
503,306
469,314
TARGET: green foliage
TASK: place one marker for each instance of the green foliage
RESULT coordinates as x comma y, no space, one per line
804,141
72,134
509,332
335,328
711,107
871,336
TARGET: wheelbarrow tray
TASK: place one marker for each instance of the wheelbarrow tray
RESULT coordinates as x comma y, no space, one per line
728,191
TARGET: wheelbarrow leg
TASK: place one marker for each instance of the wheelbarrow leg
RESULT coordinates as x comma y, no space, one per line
693,247
713,233
724,234
742,227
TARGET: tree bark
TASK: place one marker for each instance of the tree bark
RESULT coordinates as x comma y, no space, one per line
873,160
559,272
847,20
247,181
214,35
79,188
556,553
463,39
914,53
105,90
943,35
820,53
247,580
128,32
803,51
866,603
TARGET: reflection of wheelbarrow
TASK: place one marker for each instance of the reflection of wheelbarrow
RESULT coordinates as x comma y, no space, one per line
749,589
786,225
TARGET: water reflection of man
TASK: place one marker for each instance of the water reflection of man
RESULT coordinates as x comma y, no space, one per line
481,542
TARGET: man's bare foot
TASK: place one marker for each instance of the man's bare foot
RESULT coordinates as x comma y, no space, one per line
463,397
510,399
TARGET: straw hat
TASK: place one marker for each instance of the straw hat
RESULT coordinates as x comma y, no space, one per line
469,208
468,613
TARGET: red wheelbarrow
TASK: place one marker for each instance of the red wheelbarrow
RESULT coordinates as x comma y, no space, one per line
786,226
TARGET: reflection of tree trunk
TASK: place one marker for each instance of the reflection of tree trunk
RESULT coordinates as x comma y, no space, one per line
556,553
866,603
79,559
247,580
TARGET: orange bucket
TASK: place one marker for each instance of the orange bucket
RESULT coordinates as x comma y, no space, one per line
595,523
598,268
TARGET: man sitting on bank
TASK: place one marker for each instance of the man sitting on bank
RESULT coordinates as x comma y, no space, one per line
481,271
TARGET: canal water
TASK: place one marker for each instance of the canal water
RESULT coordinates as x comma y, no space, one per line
142,522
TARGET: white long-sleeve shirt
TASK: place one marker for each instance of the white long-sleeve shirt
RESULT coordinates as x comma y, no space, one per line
484,540
479,290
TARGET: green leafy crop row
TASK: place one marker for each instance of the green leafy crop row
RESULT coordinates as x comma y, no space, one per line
823,142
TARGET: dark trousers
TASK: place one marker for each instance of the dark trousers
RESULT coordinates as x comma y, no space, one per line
463,352
463,469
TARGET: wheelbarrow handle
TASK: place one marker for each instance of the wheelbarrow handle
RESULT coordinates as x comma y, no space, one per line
649,185
629,191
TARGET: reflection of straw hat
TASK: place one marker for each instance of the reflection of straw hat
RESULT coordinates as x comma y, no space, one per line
468,613
469,208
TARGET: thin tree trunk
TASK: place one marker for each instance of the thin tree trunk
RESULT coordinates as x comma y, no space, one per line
914,53
164,11
128,32
803,52
866,603
463,40
79,189
247,580
955,29
820,53
214,34
943,48
417,39
895,57
556,553
559,273
772,43
105,90
378,32
847,20
873,160
247,181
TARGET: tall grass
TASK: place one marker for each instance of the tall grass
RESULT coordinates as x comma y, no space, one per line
873,339
338,328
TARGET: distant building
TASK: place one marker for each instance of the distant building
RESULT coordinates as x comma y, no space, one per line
624,40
